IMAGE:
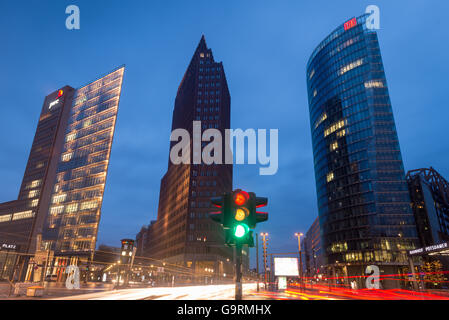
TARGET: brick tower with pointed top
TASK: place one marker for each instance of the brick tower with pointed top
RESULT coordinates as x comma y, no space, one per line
183,234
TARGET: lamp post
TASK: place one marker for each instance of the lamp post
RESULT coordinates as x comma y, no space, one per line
125,259
299,235
264,236
257,259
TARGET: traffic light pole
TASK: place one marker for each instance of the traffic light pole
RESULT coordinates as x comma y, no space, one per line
238,272
238,215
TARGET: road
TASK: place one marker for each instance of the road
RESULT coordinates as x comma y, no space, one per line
211,292
332,293
226,292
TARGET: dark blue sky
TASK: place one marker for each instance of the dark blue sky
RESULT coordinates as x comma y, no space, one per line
264,46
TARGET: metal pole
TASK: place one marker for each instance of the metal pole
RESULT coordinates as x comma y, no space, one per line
265,259
272,277
300,263
44,272
238,272
301,282
257,259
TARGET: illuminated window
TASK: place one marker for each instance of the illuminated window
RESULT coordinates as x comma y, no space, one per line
341,133
330,177
311,73
71,137
59,198
5,218
334,127
202,55
321,119
56,210
87,123
339,247
34,184
23,215
34,203
351,66
71,207
334,146
374,84
66,157
315,93
39,165
89,205
33,193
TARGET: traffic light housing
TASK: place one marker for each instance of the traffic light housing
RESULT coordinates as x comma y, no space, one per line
259,203
219,203
238,214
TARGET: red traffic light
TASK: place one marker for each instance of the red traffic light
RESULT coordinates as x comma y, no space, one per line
241,197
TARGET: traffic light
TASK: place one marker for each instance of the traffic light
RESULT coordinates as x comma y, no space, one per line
238,214
238,217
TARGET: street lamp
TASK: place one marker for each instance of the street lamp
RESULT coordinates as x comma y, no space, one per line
126,260
264,236
299,235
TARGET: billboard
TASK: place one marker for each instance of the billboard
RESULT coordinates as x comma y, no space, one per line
287,267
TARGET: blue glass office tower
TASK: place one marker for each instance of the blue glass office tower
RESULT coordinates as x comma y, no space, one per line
363,202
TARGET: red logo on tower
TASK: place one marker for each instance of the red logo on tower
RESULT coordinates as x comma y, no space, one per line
350,24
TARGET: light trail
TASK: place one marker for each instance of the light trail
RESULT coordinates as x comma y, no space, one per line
211,292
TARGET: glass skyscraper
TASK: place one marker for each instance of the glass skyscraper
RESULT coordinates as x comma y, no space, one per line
74,213
57,213
363,201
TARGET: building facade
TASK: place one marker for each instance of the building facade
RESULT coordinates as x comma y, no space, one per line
362,194
312,251
59,203
429,193
183,234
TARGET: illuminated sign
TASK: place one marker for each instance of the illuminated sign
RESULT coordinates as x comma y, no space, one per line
350,24
420,250
287,267
52,104
282,283
8,246
432,248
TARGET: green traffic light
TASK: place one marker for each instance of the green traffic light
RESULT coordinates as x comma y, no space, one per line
241,230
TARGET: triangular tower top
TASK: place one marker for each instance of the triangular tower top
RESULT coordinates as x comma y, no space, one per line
202,46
